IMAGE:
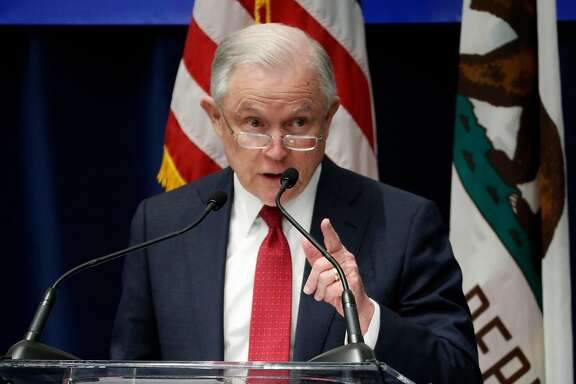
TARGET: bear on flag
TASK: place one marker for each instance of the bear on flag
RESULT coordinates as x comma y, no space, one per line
509,225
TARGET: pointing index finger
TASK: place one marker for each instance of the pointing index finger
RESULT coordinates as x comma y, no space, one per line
331,238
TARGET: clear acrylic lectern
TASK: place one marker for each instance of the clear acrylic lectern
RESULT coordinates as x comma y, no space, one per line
201,372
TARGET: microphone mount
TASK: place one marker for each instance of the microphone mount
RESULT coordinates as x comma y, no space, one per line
356,351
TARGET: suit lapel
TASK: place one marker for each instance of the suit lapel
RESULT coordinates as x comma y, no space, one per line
205,252
335,202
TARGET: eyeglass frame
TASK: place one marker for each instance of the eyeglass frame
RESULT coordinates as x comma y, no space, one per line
234,134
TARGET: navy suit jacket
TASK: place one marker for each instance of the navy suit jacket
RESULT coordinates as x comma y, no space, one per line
172,300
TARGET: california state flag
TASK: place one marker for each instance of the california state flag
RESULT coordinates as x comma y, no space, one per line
509,225
191,147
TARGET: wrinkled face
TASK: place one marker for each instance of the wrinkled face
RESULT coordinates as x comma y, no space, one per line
277,103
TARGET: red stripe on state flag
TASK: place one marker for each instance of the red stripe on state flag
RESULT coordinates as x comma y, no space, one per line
353,87
190,160
198,54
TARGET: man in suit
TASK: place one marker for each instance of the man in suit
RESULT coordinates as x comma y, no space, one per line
198,297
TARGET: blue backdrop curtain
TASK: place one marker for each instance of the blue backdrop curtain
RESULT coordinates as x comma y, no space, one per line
83,110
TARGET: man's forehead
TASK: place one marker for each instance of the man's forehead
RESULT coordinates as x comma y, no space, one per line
254,77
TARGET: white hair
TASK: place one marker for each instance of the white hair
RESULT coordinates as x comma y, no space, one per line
272,46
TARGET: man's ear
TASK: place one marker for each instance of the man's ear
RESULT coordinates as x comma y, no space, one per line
209,106
330,115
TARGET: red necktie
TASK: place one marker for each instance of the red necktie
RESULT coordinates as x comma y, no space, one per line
272,299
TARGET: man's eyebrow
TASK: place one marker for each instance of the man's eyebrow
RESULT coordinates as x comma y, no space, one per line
304,108
246,108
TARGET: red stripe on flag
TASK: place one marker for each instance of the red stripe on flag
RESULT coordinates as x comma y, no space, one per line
353,88
249,5
198,54
191,162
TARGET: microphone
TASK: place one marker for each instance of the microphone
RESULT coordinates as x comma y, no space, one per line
356,351
30,349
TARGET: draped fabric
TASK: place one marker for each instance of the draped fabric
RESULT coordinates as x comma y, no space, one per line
191,147
509,216
82,125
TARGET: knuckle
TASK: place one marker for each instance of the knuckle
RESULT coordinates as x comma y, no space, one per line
354,278
324,279
317,264
346,260
332,297
321,264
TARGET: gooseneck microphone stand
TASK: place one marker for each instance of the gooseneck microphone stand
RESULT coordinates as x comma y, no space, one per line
31,349
356,351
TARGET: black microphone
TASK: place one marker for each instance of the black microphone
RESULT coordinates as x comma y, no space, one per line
356,351
30,349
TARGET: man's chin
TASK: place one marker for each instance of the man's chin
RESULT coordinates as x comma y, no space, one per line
269,198
267,195
268,189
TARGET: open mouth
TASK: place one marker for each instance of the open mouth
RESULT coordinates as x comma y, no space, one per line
272,176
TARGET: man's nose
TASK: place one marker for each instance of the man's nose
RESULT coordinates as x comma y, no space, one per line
276,149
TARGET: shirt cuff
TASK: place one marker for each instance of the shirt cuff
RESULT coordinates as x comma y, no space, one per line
371,335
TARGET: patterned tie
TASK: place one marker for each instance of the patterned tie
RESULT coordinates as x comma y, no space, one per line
272,299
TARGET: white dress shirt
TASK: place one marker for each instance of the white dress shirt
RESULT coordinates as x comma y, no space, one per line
247,231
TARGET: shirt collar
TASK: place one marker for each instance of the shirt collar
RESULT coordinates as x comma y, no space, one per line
246,206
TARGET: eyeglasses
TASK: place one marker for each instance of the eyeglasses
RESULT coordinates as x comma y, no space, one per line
301,143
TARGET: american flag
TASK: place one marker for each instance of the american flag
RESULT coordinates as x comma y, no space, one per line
192,148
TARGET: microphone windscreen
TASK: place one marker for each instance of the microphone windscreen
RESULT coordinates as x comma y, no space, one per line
289,177
218,199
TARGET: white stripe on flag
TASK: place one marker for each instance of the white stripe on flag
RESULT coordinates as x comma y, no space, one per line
220,18
342,19
348,146
556,287
556,282
192,119
345,23
548,63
